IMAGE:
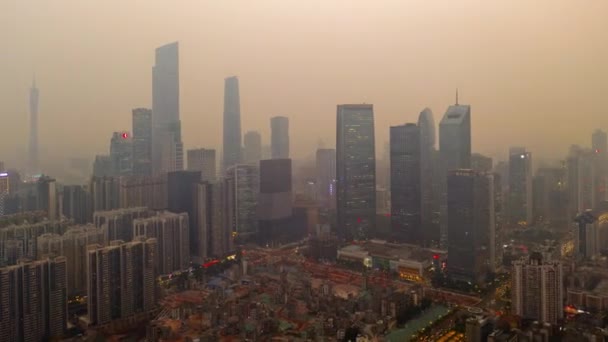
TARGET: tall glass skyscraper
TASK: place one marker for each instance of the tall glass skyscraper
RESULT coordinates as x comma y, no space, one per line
167,146
279,139
356,171
455,152
429,206
405,183
252,148
232,123
33,143
142,142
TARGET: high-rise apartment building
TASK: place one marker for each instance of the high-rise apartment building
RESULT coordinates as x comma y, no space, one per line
167,146
471,225
118,224
356,171
455,153
481,163
4,192
33,166
102,166
252,147
405,183
203,160
105,193
325,170
520,186
242,184
429,206
77,203
279,137
275,202
144,191
537,289
33,298
121,153
73,246
142,141
232,123
121,280
171,233
19,240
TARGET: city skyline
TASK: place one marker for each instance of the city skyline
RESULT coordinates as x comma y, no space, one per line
500,106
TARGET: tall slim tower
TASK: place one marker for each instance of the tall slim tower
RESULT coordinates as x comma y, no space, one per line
356,171
167,146
279,139
429,206
252,148
142,142
232,123
520,186
33,145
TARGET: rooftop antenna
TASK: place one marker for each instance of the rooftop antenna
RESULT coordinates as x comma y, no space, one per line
457,96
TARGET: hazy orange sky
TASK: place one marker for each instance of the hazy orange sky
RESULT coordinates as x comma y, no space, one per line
534,72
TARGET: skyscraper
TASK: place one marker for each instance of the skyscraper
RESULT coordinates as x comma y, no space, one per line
405,183
47,197
520,186
203,160
252,148
181,190
118,224
429,207
232,123
279,139
34,168
142,141
356,171
455,152
481,163
599,145
33,297
105,192
471,226
4,191
326,177
537,290
144,191
121,154
167,147
77,203
242,190
275,202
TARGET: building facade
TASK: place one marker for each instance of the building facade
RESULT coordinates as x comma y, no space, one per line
252,147
279,138
203,160
232,123
142,141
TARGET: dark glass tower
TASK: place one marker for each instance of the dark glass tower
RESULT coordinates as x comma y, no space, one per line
429,206
279,139
142,142
232,123
356,171
405,183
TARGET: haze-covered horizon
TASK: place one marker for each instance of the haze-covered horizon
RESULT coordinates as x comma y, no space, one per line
535,74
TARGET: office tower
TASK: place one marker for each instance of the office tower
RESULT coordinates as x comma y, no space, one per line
242,184
266,152
73,246
325,170
47,197
499,232
120,280
481,163
253,147
537,289
599,145
181,187
220,238
470,225
77,203
279,137
121,154
171,232
455,152
587,238
275,202
356,171
144,191
429,205
118,224
4,192
203,220
550,195
167,147
34,168
232,123
33,297
520,186
405,183
203,160
105,193
142,141
102,166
